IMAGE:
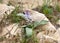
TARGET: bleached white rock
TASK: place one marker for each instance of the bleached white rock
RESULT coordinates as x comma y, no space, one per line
48,28
55,38
4,9
12,28
57,35
36,16
45,38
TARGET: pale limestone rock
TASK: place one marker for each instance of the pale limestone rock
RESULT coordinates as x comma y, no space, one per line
36,16
4,9
57,35
45,38
13,28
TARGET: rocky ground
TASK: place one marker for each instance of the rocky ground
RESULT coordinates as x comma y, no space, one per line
49,33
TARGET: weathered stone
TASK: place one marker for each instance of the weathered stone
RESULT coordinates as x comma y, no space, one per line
12,28
45,38
57,35
36,16
4,9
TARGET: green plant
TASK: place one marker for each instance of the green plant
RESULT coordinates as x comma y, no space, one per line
14,17
57,5
47,10
28,29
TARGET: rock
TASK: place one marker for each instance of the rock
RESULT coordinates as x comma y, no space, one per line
9,32
12,28
4,9
45,38
36,16
57,35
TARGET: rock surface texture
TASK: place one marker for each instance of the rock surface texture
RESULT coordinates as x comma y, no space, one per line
35,16
48,34
4,9
29,4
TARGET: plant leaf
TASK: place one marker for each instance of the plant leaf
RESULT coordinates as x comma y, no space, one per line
43,22
28,32
37,23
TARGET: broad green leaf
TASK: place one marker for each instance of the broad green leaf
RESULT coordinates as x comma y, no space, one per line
37,23
43,22
28,32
